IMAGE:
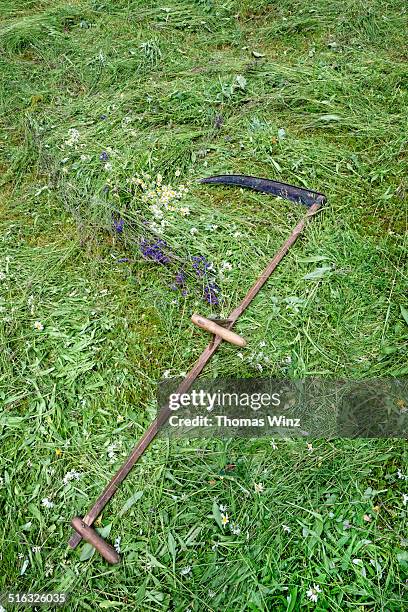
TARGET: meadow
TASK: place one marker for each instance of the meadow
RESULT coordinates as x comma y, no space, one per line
110,110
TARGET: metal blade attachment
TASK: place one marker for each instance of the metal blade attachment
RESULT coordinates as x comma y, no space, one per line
283,190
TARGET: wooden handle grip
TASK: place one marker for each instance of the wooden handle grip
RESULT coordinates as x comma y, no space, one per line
89,535
214,328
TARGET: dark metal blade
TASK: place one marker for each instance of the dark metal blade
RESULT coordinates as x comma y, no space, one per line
283,190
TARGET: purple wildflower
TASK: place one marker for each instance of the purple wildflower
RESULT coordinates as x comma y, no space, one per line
104,156
103,117
106,189
210,293
154,251
118,225
122,260
179,282
180,278
200,265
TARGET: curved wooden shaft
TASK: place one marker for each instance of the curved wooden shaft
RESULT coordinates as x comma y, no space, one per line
89,535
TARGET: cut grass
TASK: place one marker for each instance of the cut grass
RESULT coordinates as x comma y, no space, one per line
178,87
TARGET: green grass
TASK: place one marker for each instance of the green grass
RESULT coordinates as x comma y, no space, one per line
321,103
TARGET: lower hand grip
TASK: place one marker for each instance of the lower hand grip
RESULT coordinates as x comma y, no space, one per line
92,537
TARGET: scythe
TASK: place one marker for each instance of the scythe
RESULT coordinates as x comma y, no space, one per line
221,331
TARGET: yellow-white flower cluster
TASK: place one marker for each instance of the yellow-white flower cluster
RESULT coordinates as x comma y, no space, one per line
161,198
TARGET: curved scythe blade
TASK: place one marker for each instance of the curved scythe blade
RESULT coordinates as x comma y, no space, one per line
283,190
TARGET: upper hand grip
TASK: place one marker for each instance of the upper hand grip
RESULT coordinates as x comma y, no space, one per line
214,328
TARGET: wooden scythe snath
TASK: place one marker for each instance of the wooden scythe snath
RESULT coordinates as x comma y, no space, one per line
314,201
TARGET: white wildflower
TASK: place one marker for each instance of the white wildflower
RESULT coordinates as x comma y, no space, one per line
274,446
157,213
186,570
193,231
226,265
310,447
166,374
72,475
258,486
262,344
236,529
156,228
286,528
73,137
111,450
108,166
224,519
36,549
49,570
38,326
313,593
177,172
223,508
401,476
405,499
240,355
46,503
117,544
150,195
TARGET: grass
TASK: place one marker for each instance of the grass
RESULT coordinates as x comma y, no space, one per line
314,94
